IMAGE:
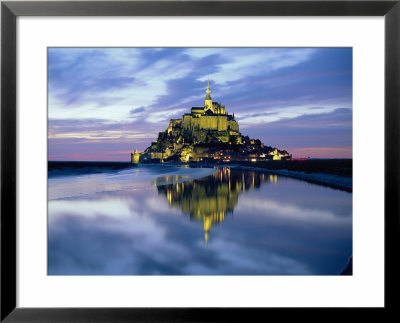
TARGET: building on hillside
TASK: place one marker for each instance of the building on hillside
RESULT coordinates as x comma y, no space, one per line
207,133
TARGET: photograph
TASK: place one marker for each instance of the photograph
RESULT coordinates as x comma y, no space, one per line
200,161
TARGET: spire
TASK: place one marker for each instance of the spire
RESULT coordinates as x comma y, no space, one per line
208,96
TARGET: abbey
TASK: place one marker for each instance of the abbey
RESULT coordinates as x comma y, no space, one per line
206,133
203,121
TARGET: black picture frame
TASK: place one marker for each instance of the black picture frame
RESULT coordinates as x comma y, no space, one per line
10,10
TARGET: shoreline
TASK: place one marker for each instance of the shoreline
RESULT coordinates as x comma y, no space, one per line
311,174
334,181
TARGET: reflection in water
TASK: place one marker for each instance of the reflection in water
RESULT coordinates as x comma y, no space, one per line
210,199
136,222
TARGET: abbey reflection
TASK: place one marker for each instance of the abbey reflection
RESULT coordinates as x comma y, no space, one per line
209,199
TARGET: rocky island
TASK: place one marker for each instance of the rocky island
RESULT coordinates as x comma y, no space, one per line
206,134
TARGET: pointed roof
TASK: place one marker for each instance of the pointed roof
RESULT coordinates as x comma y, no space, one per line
208,95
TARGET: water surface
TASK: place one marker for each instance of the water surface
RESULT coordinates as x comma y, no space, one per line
173,220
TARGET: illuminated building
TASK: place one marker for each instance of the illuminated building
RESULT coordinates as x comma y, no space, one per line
207,132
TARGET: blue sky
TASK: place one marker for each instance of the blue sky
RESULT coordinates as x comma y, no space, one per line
105,102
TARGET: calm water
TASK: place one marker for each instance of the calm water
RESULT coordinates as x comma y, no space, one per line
170,220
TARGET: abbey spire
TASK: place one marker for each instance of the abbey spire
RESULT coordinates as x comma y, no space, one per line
208,91
208,101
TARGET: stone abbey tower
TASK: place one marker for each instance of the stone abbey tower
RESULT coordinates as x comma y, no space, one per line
211,119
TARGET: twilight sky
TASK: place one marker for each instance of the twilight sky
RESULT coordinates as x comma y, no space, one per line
105,102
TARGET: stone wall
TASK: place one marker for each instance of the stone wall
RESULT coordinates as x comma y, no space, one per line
219,123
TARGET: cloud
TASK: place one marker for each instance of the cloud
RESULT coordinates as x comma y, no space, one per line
331,130
137,110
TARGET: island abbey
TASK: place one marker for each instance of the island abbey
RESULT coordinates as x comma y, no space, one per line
208,133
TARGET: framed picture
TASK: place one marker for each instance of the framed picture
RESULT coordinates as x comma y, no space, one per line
196,161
